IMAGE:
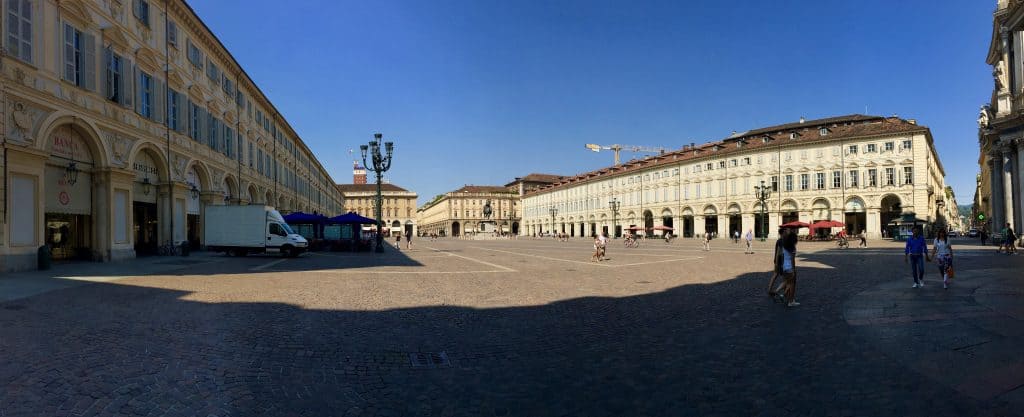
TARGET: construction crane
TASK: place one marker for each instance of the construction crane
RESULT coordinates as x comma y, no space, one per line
617,148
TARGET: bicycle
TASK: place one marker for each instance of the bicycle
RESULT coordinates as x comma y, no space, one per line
169,249
631,243
843,243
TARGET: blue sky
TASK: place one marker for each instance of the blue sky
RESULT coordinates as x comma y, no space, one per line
482,91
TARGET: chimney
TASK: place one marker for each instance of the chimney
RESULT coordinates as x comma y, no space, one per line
912,121
802,119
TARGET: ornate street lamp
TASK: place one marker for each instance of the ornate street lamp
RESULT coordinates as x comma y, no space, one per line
381,163
614,205
762,192
146,185
553,212
194,192
71,173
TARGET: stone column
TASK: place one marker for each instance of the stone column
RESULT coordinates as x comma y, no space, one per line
873,229
1008,192
748,224
995,164
698,225
1019,182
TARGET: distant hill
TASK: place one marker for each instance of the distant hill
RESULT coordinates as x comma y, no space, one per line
965,209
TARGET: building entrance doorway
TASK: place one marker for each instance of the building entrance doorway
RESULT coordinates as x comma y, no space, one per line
648,223
69,236
146,225
687,226
455,229
735,225
711,225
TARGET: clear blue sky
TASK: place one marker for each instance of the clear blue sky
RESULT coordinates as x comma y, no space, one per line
482,91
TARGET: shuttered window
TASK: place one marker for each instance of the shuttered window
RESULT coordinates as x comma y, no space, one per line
141,10
114,78
195,56
172,33
145,102
79,58
19,29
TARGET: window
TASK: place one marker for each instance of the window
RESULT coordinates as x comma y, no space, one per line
145,105
852,149
804,181
141,10
789,183
721,164
888,146
872,177
788,156
229,142
890,176
19,29
907,144
732,163
746,161
853,178
194,116
819,181
173,106
837,179
79,58
250,153
803,154
228,86
775,183
114,77
871,148
823,131
212,72
172,33
908,175
195,56
709,166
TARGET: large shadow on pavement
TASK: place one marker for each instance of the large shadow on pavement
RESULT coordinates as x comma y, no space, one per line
702,349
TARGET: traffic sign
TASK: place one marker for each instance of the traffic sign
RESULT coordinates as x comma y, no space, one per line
981,216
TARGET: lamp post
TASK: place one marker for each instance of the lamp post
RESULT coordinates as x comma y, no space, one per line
614,205
381,163
762,192
553,212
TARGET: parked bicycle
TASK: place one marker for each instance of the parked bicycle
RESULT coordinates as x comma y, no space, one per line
169,248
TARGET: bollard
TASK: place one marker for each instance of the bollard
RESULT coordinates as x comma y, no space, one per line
44,257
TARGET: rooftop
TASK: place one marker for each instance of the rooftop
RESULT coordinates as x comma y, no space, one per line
355,188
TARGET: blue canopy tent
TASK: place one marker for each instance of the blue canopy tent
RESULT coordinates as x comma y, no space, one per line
351,218
344,229
310,226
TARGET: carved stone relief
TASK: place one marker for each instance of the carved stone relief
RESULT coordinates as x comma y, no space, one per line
22,122
180,162
120,145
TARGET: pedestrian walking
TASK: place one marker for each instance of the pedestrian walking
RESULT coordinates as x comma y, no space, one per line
777,265
942,253
408,239
1010,240
736,236
600,245
788,269
707,241
916,252
863,239
750,241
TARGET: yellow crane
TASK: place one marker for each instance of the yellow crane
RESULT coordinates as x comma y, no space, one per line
631,148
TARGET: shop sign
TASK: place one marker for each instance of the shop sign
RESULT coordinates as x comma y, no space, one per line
65,143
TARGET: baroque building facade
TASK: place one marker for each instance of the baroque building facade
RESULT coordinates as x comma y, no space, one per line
864,171
1001,124
122,119
398,211
461,212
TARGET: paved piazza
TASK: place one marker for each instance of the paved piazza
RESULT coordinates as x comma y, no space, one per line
515,328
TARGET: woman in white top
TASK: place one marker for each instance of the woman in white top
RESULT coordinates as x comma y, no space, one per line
942,253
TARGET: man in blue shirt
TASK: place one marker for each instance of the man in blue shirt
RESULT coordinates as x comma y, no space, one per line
916,252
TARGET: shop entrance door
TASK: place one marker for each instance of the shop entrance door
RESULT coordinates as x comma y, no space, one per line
145,228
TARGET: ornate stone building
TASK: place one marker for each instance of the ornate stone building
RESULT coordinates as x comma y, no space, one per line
399,208
121,122
1001,123
864,171
461,212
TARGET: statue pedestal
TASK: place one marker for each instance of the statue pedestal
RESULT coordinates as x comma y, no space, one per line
488,226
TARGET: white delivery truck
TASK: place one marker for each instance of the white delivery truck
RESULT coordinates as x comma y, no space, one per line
241,230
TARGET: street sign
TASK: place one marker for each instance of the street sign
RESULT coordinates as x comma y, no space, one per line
981,216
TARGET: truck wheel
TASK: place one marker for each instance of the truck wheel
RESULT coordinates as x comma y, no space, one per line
288,251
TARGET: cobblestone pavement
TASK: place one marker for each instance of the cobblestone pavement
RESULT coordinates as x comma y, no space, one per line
522,328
